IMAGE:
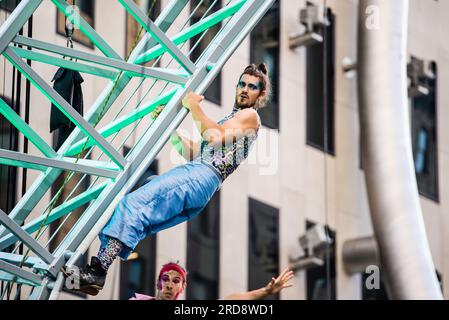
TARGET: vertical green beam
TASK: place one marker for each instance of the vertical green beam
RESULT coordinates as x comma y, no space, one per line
29,133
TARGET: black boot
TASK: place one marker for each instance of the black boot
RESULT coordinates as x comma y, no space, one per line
91,279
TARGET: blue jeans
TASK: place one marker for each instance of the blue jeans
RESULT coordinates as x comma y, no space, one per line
171,198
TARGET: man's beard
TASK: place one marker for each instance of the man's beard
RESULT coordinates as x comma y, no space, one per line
244,105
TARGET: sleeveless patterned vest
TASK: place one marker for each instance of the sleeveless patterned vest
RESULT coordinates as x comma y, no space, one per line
226,158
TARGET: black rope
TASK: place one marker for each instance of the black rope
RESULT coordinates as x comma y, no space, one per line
2,287
10,146
12,171
25,142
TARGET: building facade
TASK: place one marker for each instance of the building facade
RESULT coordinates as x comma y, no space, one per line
305,169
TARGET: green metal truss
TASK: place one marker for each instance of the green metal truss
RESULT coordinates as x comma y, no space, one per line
112,175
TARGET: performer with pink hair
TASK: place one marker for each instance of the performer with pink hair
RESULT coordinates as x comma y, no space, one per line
171,282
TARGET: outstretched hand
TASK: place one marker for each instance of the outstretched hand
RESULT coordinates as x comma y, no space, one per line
279,283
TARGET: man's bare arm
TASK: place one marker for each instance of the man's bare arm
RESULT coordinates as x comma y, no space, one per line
273,287
240,125
185,146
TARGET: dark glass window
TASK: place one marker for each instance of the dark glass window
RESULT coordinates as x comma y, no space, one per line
321,281
263,248
213,93
264,47
320,70
138,273
203,252
8,174
9,5
87,11
424,136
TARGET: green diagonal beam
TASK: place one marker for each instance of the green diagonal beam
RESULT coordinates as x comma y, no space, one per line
107,97
123,122
86,29
29,133
97,168
72,65
64,107
192,31
25,238
159,35
16,259
171,75
56,213
15,22
92,163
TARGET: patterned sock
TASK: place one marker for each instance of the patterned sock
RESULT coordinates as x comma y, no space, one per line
109,252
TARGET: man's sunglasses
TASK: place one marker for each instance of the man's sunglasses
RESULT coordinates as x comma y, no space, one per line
251,86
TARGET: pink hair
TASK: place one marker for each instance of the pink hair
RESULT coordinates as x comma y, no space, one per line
168,267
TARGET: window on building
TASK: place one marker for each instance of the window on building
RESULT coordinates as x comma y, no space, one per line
138,273
150,8
87,10
8,174
321,281
320,88
263,242
9,5
440,280
203,252
213,93
264,47
424,135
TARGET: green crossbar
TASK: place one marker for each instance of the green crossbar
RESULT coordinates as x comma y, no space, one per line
192,31
29,133
86,29
63,63
123,122
7,277
58,212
